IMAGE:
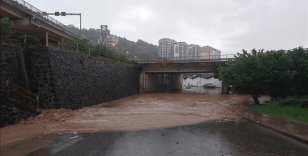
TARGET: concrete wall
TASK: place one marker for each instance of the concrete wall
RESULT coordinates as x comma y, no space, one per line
196,81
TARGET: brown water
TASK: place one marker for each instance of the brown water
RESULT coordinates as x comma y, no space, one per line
144,111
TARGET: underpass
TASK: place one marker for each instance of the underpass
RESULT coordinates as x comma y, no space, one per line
160,76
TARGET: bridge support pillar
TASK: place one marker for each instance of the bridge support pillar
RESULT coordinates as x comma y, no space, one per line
46,38
216,75
224,88
176,81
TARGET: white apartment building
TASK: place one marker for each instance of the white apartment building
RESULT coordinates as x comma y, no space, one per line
165,46
190,52
216,54
176,53
183,50
196,52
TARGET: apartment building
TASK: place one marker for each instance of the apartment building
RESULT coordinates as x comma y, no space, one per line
196,52
216,54
183,50
165,46
190,52
206,52
176,53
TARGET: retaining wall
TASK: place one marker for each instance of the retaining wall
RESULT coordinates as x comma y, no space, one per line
67,80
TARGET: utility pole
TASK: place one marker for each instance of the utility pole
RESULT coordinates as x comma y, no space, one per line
64,14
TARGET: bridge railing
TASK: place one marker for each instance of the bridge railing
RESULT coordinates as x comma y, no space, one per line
213,58
24,6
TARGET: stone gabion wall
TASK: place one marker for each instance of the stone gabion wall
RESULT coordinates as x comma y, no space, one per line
12,67
12,64
40,75
69,80
13,112
62,80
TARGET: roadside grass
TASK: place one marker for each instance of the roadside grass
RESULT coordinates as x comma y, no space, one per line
291,112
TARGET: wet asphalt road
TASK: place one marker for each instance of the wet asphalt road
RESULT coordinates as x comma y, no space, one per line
231,138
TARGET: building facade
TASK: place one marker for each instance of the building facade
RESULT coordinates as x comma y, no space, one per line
216,54
206,52
183,50
196,52
190,52
200,81
176,53
112,41
165,46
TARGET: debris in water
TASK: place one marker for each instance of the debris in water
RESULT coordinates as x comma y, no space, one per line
75,132
60,133
73,137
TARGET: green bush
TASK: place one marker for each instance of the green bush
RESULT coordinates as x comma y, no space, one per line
5,30
29,39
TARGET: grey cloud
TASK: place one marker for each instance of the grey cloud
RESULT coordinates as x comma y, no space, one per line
228,25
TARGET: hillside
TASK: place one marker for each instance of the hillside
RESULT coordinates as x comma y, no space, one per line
139,48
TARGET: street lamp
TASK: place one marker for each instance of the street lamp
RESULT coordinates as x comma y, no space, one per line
127,53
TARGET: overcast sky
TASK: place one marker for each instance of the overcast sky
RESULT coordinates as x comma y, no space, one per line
227,25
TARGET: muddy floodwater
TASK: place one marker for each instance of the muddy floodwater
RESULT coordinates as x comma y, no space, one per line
138,112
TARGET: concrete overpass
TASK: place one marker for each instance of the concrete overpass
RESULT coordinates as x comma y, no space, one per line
29,20
159,76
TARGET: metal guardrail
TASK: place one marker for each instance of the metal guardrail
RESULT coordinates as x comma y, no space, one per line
213,58
28,8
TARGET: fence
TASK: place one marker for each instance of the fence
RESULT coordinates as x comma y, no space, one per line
65,44
212,58
28,8
13,91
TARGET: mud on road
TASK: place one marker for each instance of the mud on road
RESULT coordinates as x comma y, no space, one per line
138,112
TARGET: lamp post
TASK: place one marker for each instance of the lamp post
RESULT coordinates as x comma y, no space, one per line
127,53
64,14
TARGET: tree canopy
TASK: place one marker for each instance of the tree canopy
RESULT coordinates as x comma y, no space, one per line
280,73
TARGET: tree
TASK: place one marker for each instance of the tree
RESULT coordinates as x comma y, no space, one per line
5,30
280,73
244,73
299,71
279,78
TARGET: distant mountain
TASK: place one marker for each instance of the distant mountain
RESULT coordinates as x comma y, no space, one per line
139,48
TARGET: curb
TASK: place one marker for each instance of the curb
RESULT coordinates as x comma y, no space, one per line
274,129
